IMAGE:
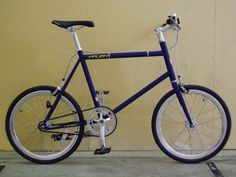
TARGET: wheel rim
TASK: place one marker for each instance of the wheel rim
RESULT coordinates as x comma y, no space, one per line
24,126
184,142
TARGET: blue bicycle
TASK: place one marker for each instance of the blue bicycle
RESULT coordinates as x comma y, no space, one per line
45,124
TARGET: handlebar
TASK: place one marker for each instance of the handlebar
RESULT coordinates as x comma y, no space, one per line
173,20
171,23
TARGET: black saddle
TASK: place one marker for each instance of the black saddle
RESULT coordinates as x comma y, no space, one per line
66,24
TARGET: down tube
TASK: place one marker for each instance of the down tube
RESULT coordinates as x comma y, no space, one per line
141,92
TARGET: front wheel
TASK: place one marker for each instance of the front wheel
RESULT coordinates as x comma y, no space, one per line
183,143
24,134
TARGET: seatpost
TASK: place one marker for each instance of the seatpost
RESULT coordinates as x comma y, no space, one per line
72,30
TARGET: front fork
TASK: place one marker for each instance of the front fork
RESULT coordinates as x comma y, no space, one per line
177,86
179,91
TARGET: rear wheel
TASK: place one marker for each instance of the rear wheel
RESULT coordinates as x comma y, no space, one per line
177,139
24,116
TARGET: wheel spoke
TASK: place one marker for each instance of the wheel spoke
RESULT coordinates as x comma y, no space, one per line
176,108
207,122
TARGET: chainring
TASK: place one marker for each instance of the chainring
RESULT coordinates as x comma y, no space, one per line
109,118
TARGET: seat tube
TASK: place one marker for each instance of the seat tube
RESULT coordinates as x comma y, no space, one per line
88,77
174,83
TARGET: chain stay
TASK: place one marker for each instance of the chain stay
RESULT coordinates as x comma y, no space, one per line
74,124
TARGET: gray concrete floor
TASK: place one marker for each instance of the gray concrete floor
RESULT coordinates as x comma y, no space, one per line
117,164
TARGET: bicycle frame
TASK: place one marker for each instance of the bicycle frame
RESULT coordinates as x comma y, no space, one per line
82,59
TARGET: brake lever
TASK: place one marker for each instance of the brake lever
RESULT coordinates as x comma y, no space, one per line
171,21
178,26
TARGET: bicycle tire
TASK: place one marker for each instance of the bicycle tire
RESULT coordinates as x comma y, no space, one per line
186,150
33,103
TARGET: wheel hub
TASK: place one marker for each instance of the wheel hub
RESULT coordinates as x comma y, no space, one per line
193,126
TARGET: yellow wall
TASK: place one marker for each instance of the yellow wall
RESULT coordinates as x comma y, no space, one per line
34,52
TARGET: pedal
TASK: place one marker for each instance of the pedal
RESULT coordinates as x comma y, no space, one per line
61,136
102,151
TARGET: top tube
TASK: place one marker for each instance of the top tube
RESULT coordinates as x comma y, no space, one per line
95,56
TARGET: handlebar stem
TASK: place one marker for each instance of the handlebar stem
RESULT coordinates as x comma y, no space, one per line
160,30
